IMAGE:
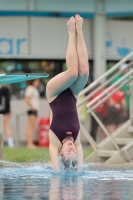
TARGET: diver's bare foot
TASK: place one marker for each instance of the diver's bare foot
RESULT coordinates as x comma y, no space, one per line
71,25
79,22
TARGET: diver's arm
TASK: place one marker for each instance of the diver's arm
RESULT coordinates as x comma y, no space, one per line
79,150
54,155
54,151
80,155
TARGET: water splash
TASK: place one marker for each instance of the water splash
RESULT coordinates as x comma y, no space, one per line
69,164
9,163
44,170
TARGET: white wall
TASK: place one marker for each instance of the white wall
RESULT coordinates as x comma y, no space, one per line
119,40
14,36
39,37
47,38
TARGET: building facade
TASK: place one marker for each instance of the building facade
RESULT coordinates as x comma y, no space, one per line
34,37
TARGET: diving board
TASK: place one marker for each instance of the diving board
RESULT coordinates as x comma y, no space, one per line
15,78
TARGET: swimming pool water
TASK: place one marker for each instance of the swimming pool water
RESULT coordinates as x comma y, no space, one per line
41,183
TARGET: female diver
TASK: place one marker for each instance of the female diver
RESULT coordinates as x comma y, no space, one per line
62,91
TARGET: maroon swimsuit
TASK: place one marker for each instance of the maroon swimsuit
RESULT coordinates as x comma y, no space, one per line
65,118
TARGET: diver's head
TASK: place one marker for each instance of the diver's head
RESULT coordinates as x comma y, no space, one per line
69,155
68,149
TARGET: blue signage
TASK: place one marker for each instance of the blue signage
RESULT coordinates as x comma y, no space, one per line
14,46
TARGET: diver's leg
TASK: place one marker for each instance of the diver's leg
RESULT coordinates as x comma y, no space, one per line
83,68
65,79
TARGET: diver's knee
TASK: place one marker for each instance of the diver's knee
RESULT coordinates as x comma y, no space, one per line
84,71
73,73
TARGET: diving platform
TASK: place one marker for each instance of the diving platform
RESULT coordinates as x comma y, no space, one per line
16,77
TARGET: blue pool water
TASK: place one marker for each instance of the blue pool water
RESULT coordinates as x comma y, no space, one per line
39,182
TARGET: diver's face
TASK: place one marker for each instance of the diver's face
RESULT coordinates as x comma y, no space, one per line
69,150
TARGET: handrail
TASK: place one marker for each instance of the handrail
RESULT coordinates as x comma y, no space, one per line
109,135
102,86
104,129
105,74
109,88
88,136
110,94
97,89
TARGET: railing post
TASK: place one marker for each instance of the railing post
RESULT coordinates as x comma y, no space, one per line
1,133
99,25
88,137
